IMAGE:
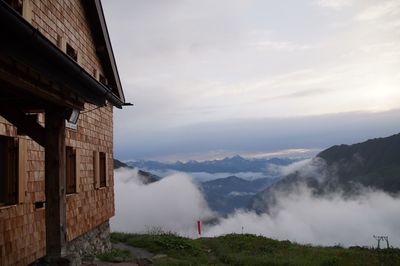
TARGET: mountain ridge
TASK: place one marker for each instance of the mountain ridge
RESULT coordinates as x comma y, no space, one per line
347,169
234,164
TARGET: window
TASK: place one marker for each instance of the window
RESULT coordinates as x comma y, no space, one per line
103,79
72,170
12,170
22,7
16,4
100,169
72,53
103,171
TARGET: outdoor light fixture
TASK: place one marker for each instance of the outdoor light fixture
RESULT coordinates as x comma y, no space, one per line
73,117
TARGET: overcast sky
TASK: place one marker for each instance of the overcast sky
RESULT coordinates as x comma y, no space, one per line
219,77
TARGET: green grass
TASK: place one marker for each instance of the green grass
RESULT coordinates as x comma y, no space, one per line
246,249
115,254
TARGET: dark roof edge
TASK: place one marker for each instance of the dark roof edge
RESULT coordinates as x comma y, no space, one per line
99,10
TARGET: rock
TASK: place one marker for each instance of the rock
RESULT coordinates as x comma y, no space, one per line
118,259
160,257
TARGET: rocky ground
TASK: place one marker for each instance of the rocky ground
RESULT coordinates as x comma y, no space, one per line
140,257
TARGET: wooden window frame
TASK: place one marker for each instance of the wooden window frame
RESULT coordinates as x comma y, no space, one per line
13,171
72,170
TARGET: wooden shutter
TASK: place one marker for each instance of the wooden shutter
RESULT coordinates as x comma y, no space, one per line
106,170
12,171
27,10
22,169
96,169
77,170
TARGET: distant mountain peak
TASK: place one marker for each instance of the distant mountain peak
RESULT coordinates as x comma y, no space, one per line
235,164
238,157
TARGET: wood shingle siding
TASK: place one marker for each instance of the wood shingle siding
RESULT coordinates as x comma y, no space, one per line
91,201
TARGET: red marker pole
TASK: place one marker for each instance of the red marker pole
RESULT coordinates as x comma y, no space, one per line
198,228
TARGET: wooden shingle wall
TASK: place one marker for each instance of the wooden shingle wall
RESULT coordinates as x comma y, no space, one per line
22,226
90,206
66,19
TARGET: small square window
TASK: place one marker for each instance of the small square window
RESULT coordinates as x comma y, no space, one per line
72,52
103,79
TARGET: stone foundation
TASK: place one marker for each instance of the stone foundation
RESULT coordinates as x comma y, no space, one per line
92,242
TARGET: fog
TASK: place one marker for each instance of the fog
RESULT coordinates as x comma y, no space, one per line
204,176
303,218
175,204
171,204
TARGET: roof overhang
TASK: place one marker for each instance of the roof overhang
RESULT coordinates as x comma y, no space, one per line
26,45
95,15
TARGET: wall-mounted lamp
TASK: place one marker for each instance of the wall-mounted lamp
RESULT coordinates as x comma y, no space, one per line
73,117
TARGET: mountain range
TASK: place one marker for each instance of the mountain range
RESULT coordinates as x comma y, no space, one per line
374,163
235,164
223,195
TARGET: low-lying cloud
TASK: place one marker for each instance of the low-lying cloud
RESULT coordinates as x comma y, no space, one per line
175,203
332,220
172,204
204,176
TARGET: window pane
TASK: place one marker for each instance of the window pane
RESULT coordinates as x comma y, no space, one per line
103,174
70,170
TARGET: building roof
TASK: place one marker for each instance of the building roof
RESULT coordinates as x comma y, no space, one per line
95,14
46,58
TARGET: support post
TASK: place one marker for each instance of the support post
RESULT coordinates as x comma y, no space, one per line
55,184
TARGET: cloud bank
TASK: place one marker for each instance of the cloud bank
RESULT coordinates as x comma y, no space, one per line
171,204
175,204
302,218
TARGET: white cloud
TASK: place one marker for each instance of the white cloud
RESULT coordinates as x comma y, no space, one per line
240,194
285,170
335,4
302,218
190,62
279,46
384,9
171,204
175,204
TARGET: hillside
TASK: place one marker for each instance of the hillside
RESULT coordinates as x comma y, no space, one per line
374,163
224,195
246,249
144,176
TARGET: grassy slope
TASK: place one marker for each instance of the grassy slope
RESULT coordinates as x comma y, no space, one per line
252,250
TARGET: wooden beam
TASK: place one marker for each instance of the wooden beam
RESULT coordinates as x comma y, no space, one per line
55,184
26,124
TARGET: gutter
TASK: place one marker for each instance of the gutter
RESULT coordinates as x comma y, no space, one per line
26,44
